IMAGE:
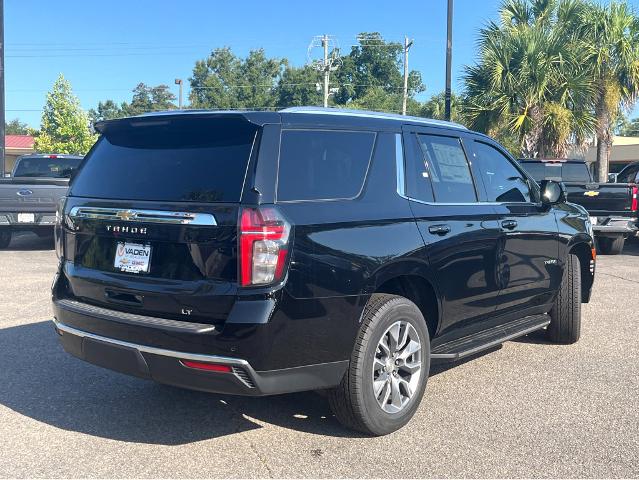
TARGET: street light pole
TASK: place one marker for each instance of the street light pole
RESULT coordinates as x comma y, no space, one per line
180,82
449,54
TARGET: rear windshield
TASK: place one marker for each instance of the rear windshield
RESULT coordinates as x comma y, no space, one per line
565,172
46,167
179,160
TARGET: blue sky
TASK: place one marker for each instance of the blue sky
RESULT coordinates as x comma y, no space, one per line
106,48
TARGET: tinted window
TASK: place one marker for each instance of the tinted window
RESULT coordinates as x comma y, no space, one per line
449,172
628,175
46,167
536,170
503,182
575,172
323,164
418,184
202,160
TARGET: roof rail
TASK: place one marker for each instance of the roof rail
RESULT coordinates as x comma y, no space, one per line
369,114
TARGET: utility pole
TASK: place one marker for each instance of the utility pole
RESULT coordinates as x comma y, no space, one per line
407,44
178,81
329,62
2,119
326,69
449,54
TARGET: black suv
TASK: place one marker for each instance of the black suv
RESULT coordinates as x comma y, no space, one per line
258,253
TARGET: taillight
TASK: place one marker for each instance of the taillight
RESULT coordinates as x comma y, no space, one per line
263,243
634,198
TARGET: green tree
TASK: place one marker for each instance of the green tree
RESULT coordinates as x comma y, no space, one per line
630,128
224,81
64,125
374,63
532,78
149,99
16,127
106,110
298,87
613,31
434,107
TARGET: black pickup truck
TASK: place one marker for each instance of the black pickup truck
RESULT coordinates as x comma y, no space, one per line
29,198
612,206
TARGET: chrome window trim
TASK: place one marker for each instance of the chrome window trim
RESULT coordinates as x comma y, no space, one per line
143,216
399,162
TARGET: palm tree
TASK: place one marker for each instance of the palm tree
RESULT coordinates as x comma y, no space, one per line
531,78
614,63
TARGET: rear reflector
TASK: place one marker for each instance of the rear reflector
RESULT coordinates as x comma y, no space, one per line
211,367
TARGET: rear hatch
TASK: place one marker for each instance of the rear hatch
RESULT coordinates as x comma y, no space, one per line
151,218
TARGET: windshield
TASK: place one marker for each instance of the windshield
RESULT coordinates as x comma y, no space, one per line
179,160
46,167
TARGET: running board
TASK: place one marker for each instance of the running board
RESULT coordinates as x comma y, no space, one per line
471,344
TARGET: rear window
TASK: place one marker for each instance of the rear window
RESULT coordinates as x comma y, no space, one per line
566,172
323,164
46,167
180,160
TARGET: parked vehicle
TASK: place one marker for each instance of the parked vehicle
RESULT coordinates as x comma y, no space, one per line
259,253
29,197
612,206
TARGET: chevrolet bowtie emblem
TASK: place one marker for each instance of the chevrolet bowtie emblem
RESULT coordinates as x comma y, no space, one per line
126,215
591,193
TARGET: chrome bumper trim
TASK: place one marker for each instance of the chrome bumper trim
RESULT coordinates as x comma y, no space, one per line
196,357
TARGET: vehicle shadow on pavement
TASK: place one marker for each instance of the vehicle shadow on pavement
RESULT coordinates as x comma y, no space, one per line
25,241
41,381
631,247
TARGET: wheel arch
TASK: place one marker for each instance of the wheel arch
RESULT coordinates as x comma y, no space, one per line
414,282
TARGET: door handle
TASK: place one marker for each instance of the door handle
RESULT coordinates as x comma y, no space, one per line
439,229
509,224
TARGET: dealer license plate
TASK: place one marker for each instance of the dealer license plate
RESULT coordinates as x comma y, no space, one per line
132,257
26,217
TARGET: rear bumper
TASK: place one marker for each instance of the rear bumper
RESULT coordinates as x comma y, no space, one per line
41,219
165,366
615,226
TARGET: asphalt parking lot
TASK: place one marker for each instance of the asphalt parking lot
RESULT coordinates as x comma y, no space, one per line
528,409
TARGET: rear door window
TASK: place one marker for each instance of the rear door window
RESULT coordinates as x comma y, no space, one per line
323,164
448,169
181,160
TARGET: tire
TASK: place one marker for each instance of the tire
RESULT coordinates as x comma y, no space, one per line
611,246
5,238
354,402
565,315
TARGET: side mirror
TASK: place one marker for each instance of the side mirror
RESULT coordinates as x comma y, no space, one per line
552,192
